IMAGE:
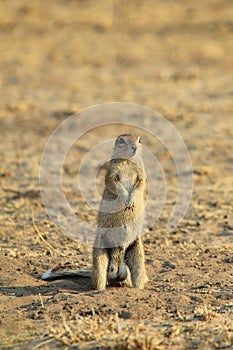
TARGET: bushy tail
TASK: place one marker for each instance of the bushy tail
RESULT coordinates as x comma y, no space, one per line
65,272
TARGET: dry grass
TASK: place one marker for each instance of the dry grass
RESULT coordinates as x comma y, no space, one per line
205,330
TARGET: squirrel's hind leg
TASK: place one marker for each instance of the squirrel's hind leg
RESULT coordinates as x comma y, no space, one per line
100,267
135,260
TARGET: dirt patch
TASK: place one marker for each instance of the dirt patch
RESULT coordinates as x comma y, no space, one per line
59,57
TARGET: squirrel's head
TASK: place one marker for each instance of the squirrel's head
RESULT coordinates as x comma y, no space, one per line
127,146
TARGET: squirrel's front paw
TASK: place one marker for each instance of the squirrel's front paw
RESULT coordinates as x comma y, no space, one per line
130,206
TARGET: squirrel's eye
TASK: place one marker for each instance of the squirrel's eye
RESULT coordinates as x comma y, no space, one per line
121,142
140,140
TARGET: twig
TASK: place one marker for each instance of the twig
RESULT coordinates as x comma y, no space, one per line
41,300
39,234
119,328
49,340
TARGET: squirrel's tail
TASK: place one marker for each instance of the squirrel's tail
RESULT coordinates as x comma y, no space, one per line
65,272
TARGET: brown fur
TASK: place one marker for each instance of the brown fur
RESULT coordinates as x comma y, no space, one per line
118,255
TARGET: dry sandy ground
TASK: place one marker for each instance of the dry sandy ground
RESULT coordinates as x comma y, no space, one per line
62,56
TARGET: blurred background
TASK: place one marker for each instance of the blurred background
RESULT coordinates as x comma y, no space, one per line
174,56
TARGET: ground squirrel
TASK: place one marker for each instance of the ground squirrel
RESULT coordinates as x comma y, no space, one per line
118,254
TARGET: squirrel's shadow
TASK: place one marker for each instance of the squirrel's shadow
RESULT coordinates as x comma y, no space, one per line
74,286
